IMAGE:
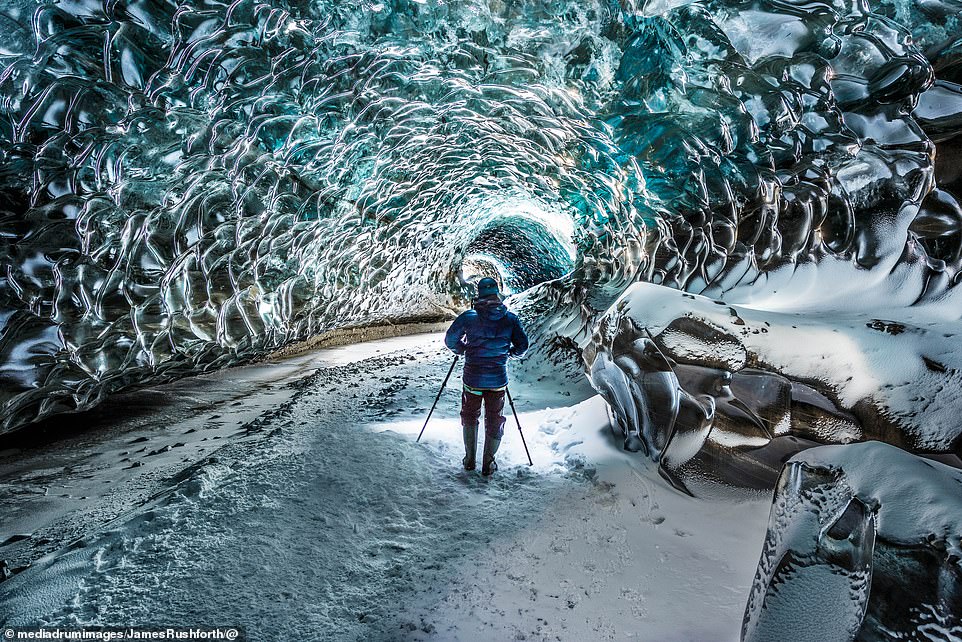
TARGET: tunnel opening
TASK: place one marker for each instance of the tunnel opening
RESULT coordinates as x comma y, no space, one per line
520,249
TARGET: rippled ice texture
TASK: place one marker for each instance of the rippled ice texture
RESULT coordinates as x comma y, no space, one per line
190,184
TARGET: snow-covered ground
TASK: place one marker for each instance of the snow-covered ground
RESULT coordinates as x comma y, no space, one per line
317,516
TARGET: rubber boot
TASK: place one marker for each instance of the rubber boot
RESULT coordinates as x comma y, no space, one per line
488,465
470,446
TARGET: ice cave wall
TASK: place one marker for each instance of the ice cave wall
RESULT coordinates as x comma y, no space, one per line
858,245
190,184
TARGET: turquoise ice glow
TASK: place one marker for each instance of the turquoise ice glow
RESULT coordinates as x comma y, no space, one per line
189,184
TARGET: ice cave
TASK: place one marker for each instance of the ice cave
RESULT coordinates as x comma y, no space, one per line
236,238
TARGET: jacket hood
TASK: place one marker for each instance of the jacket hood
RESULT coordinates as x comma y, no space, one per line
490,308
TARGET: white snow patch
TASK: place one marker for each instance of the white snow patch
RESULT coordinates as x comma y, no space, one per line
918,497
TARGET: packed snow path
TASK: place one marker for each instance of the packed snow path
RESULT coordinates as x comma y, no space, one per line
322,519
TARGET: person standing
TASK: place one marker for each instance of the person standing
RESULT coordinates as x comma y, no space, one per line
486,335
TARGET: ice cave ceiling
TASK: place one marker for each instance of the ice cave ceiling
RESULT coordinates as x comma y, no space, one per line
186,185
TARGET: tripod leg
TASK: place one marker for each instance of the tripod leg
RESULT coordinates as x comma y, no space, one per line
436,399
518,421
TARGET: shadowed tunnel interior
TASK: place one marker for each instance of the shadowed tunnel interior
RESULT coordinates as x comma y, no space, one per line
521,246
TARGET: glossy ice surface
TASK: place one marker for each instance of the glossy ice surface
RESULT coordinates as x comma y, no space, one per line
189,184
743,215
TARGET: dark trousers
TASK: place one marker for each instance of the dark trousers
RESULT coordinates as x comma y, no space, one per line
493,411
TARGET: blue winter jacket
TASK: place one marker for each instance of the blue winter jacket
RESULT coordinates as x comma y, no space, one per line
486,336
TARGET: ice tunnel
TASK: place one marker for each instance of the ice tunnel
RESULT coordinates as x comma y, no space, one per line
741,219
189,185
519,243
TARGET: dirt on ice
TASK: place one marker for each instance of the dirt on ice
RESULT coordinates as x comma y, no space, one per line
321,518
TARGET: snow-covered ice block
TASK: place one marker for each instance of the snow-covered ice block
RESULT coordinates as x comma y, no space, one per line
863,544
721,395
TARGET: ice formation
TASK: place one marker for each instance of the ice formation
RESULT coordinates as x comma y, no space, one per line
721,394
848,558
189,184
